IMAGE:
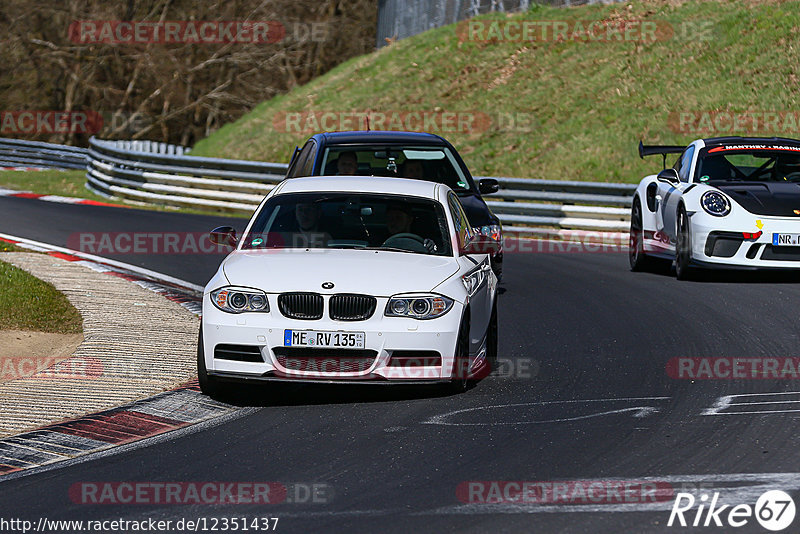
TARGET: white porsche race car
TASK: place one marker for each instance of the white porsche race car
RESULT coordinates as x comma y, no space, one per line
351,279
727,202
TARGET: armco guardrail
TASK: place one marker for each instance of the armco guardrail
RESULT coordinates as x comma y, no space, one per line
165,174
20,153
528,205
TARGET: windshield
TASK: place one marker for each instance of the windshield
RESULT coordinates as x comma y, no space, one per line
351,220
755,163
435,164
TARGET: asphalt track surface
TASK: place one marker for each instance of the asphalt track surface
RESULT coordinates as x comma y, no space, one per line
584,396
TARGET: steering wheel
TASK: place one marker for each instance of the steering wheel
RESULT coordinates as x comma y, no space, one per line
396,241
792,176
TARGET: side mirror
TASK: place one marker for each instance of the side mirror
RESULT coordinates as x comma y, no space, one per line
481,244
669,176
223,235
487,186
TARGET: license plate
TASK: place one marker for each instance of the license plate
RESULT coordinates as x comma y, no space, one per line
324,339
785,240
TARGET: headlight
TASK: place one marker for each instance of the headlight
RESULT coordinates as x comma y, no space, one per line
473,281
239,300
494,231
418,307
715,203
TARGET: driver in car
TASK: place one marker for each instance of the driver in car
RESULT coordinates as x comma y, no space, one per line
398,221
309,233
347,164
412,168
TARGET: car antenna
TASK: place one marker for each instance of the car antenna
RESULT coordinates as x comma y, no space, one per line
368,123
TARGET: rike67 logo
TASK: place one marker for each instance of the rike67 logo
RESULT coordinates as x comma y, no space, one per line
774,510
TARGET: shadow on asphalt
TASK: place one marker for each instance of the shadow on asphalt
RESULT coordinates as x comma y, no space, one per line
732,276
282,394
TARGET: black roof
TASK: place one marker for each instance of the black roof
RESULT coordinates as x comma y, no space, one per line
751,140
380,137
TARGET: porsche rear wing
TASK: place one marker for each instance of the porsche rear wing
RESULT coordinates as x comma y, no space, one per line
652,150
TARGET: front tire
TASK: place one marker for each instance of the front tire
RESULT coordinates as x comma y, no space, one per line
639,261
492,340
208,384
459,382
683,247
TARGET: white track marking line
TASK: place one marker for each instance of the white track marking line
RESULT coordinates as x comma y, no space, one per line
641,411
759,412
765,394
764,402
725,402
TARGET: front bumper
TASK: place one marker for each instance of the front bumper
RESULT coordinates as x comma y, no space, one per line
384,337
719,243
273,376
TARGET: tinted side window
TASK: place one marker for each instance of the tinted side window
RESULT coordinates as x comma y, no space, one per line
463,230
308,164
302,160
685,164
293,162
677,165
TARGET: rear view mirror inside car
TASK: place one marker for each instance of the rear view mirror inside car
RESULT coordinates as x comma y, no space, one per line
387,154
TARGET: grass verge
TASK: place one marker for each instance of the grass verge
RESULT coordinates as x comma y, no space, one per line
5,246
584,105
49,182
27,303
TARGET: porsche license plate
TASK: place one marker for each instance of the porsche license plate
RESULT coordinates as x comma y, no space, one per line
324,339
785,240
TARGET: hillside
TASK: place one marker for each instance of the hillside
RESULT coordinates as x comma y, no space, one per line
581,106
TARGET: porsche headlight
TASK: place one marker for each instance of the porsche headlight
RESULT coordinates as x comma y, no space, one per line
418,307
239,300
493,230
715,203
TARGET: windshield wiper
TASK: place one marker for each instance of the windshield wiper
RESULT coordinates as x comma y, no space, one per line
347,245
395,249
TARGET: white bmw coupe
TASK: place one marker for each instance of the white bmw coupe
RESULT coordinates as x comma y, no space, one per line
351,279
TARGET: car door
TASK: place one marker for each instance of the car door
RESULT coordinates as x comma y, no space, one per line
672,201
671,193
477,266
